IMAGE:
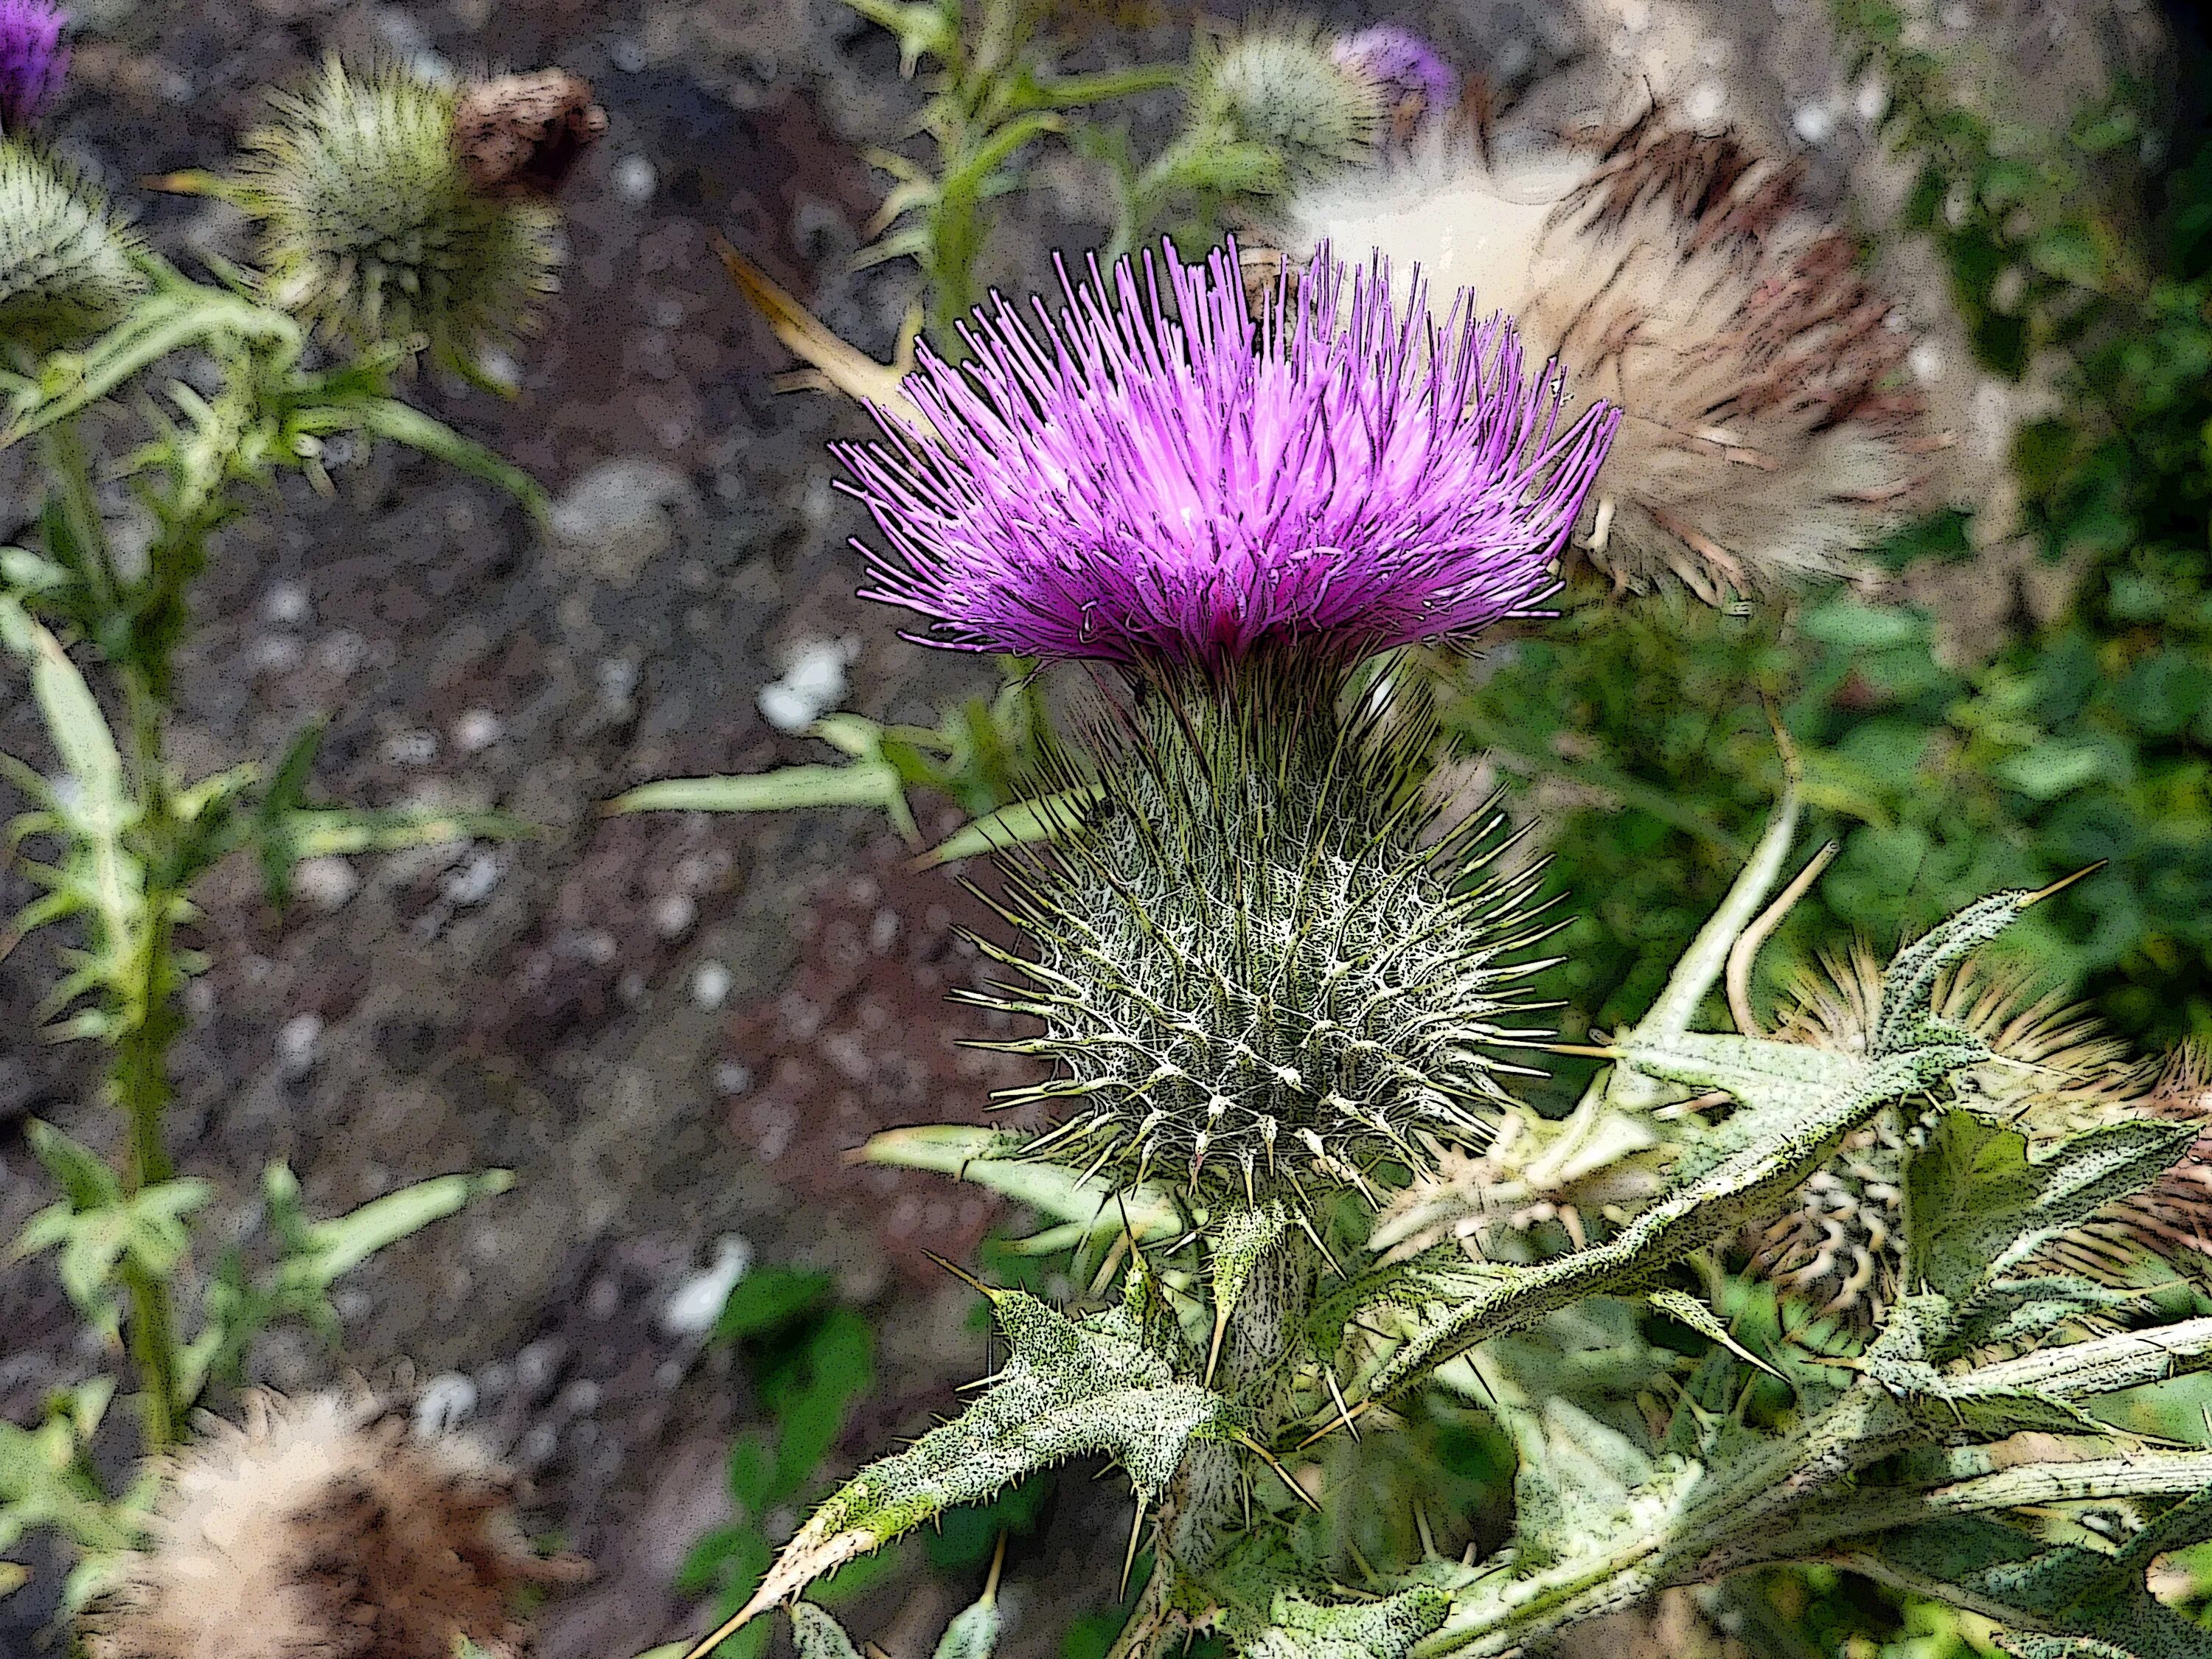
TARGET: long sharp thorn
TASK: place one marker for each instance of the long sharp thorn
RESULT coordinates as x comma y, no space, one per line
1343,1412
1129,1560
1281,1473
2062,884
997,1565
960,1274
1329,1429
1213,1353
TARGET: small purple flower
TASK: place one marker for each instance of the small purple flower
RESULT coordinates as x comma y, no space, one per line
33,59
1166,482
1406,66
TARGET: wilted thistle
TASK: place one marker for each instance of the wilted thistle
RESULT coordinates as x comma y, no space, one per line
1282,87
1839,1248
320,1530
66,261
1764,437
374,226
1246,963
33,60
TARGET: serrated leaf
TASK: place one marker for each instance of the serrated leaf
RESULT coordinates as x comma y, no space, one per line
1976,1206
818,1635
1066,1390
1748,1180
336,1247
1388,1629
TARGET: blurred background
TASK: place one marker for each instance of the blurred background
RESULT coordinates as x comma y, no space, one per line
673,1027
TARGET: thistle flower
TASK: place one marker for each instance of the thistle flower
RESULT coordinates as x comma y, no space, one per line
1419,88
1248,969
1282,87
1841,1246
1154,479
319,1530
1764,442
374,227
33,59
66,262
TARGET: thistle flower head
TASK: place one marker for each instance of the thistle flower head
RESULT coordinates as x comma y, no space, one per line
1282,87
1155,478
1419,87
33,59
320,1529
373,228
1250,970
65,259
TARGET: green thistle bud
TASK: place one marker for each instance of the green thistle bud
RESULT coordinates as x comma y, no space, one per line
66,264
373,228
1280,87
1248,968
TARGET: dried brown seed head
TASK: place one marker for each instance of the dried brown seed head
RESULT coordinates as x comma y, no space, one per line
522,135
321,1529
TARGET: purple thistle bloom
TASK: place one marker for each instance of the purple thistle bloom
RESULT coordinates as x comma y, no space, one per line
33,59
1406,66
1171,484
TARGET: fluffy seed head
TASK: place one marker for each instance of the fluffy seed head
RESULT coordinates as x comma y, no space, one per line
65,259
320,1530
1251,972
1155,478
1418,88
1282,87
1764,440
373,228
33,59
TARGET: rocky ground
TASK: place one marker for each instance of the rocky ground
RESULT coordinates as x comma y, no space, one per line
670,1028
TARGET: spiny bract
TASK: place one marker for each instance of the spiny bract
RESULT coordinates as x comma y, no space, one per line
1841,1247
1282,87
65,260
372,228
1249,967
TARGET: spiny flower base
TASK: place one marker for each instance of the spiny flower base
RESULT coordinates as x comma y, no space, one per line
1247,965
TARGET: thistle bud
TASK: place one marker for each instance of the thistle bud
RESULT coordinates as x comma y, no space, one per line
321,1527
385,215
66,262
1253,975
1282,87
33,59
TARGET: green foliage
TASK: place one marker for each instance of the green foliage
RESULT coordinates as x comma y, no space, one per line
996,94
116,840
809,1360
978,757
